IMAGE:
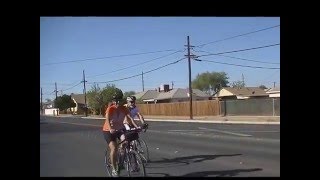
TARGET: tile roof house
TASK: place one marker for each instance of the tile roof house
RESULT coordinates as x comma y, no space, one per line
147,96
167,95
274,92
241,93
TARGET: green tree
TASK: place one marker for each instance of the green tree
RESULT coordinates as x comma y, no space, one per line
210,82
128,93
263,87
95,99
100,98
238,84
108,92
64,102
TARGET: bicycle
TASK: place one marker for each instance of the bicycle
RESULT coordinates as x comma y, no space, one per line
141,147
130,160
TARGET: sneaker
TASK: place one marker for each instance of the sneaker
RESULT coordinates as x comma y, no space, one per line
115,173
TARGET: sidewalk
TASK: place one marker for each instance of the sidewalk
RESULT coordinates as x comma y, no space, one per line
204,119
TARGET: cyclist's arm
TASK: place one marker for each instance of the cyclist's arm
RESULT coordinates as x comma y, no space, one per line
141,117
131,121
108,118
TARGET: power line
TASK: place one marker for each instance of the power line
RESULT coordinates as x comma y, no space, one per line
241,58
237,36
238,64
107,57
269,76
52,84
143,72
71,87
164,66
240,50
120,79
48,93
136,64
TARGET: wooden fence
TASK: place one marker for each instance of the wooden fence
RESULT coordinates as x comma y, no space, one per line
199,108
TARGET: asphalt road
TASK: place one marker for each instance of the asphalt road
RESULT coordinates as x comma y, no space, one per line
75,147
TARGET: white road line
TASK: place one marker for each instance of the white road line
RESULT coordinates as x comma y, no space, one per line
226,132
187,130
262,131
216,130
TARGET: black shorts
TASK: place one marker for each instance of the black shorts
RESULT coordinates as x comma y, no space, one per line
112,137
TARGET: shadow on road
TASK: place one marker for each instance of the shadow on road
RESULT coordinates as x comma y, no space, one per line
187,160
227,173
196,158
160,174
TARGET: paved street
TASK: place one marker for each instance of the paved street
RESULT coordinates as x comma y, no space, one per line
75,147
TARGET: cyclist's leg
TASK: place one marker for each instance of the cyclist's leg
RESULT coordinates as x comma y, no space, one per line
122,146
113,152
111,142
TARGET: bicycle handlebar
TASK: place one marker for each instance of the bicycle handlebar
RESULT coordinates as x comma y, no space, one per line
145,127
131,130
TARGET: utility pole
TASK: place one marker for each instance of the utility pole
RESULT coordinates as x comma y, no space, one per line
172,84
190,89
242,79
41,102
56,90
85,94
142,82
274,84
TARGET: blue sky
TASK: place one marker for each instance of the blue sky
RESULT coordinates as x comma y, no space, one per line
64,39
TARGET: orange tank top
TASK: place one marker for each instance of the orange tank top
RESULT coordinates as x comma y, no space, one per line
116,117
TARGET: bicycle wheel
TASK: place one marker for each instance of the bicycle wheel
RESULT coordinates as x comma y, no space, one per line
107,163
142,149
135,166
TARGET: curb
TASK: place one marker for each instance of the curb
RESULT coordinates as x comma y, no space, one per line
203,121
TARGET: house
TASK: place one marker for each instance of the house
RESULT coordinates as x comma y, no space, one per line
147,96
52,112
181,95
166,95
274,92
48,108
79,99
48,105
241,93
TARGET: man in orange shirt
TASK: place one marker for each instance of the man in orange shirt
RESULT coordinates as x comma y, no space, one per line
113,127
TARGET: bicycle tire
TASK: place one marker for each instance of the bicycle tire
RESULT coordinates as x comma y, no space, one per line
134,157
142,149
